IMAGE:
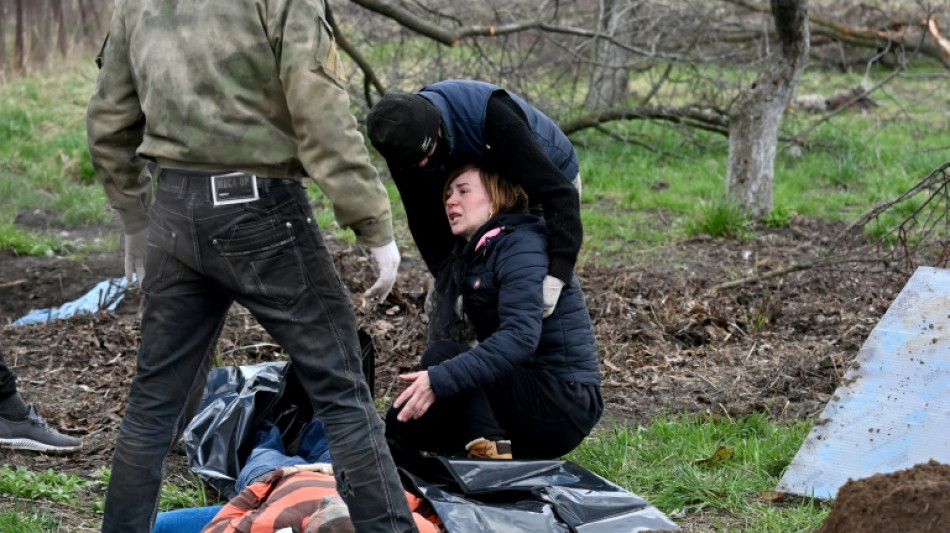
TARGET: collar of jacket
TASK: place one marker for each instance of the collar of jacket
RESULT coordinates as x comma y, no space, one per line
506,221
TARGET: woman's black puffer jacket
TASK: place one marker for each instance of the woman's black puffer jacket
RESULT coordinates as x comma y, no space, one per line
500,272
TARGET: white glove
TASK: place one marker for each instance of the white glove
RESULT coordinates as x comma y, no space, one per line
136,248
550,291
387,257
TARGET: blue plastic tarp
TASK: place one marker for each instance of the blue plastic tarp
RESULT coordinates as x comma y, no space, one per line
106,295
890,411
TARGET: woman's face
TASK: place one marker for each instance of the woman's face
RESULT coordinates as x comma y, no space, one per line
467,204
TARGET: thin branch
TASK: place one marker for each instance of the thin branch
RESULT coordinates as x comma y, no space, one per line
627,140
408,20
794,267
248,348
655,89
887,204
356,56
452,37
12,283
936,182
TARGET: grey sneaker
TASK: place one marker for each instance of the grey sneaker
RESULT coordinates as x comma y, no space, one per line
34,433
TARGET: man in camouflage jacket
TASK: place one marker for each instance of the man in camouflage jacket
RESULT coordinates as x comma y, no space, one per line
206,117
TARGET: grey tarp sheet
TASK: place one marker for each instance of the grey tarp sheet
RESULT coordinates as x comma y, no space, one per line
478,496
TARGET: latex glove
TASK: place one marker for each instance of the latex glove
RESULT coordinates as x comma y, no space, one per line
387,257
418,396
551,291
136,248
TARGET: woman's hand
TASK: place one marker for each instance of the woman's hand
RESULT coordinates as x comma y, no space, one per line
417,397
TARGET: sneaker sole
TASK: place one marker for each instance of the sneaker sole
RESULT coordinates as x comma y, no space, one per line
32,445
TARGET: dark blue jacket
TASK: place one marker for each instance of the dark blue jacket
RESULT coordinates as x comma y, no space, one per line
463,105
501,288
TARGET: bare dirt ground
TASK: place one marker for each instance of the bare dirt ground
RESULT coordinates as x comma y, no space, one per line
668,344
915,500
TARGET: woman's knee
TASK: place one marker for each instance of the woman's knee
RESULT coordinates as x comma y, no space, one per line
441,351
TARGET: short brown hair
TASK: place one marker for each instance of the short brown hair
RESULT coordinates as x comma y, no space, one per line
505,196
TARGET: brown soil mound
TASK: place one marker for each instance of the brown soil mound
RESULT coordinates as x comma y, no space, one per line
916,500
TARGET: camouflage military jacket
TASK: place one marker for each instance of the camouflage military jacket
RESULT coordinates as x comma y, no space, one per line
253,86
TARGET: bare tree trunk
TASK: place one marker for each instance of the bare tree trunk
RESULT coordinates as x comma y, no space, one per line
38,20
60,26
609,77
754,123
3,35
90,17
83,18
20,58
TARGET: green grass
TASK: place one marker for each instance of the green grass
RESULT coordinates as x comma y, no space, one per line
177,492
719,218
48,485
28,521
45,159
183,492
674,464
22,242
31,492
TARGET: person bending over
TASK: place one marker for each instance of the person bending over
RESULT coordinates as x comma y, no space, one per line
530,388
448,124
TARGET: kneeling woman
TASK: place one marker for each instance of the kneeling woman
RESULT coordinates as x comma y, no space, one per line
530,387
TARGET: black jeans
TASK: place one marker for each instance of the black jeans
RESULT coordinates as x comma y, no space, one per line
543,416
269,256
7,380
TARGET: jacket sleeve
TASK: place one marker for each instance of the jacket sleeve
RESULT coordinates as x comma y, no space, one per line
331,147
421,194
516,154
520,267
114,128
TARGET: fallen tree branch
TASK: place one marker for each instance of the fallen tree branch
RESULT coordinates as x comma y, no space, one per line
936,182
12,283
866,37
794,267
942,43
690,118
717,123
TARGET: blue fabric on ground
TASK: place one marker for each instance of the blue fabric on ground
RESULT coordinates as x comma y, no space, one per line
314,446
106,295
191,520
269,454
